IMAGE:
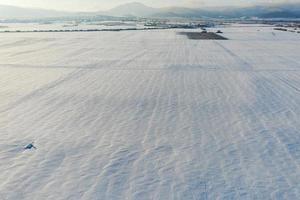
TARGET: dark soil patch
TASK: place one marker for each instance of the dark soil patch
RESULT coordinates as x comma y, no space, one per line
203,36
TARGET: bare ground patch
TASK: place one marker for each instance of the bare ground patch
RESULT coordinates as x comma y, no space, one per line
203,36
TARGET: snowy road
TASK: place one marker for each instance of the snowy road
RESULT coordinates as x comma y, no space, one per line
150,115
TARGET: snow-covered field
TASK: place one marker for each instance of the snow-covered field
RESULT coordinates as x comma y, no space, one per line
103,25
150,115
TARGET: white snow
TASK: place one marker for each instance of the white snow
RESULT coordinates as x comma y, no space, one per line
150,115
103,25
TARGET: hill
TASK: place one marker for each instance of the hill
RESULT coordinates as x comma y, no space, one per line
140,10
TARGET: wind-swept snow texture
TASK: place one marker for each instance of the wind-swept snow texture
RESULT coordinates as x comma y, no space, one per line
150,115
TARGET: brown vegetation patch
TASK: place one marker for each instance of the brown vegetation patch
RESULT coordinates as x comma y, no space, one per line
203,36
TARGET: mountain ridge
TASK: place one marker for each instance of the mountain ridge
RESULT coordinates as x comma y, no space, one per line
135,9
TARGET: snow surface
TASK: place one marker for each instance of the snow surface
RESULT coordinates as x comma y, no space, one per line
103,25
150,115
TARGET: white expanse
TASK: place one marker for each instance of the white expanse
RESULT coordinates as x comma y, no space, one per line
150,115
71,26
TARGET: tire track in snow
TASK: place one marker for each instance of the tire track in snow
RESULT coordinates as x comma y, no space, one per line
243,65
43,90
271,141
71,76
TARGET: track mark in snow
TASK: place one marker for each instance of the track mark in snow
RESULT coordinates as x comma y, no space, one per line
43,90
241,63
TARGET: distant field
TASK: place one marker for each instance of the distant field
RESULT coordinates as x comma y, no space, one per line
150,115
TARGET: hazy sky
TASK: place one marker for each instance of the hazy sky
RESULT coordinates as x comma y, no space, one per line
92,5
